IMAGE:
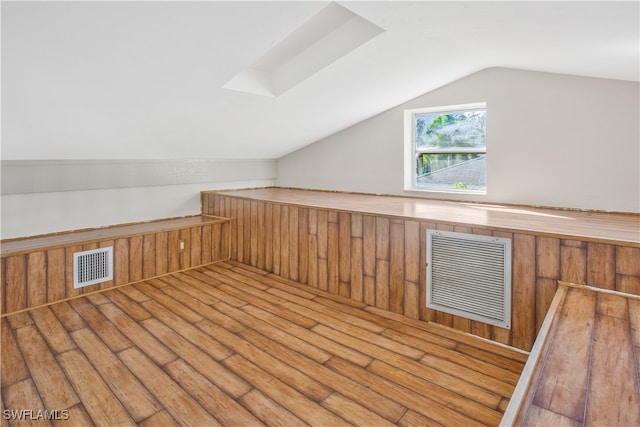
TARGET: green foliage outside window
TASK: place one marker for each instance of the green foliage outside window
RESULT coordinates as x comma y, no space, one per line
452,130
454,142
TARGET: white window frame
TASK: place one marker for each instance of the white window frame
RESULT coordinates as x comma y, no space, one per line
411,152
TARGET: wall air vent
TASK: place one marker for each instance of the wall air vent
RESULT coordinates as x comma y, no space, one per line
469,275
91,267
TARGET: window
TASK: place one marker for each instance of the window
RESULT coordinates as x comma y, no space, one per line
445,149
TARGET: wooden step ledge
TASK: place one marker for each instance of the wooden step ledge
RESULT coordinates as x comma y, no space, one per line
19,246
583,367
40,270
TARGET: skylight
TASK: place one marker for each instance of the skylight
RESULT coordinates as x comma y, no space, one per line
329,35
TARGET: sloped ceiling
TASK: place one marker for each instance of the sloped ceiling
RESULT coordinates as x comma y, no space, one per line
132,80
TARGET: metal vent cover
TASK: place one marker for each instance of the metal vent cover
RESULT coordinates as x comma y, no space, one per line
91,267
469,275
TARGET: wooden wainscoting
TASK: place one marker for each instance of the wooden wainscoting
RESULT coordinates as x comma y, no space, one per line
372,249
39,270
227,344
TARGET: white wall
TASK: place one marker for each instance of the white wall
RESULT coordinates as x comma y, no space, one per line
47,196
552,140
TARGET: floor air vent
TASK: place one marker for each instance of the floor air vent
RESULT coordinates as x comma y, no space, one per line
469,275
91,267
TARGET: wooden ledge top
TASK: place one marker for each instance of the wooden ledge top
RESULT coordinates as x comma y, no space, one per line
583,368
50,241
601,227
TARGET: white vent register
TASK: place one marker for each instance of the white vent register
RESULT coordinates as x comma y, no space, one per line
91,267
469,275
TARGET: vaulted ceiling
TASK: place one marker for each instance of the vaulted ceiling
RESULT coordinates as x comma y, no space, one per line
208,79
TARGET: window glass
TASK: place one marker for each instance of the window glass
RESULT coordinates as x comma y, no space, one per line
448,149
459,130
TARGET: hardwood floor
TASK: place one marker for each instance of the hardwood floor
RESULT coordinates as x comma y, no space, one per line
227,344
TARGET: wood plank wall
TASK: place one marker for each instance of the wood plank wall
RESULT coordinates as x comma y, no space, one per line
380,260
40,277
